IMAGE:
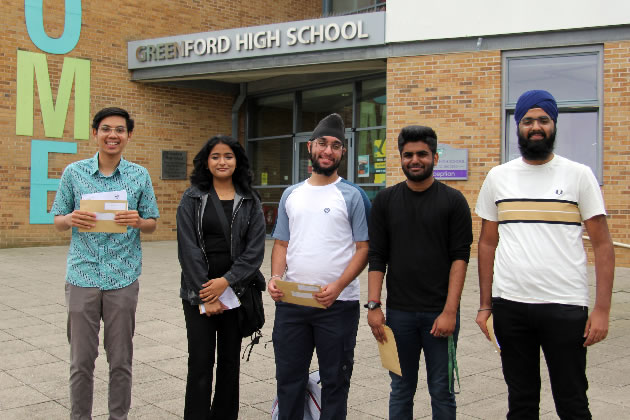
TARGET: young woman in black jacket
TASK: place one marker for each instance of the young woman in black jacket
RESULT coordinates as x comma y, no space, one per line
211,262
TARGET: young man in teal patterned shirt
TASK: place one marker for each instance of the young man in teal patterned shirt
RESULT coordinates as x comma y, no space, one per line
103,268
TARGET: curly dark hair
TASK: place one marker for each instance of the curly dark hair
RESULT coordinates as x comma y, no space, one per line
242,176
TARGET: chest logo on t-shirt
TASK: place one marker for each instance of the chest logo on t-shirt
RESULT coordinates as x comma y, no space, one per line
326,210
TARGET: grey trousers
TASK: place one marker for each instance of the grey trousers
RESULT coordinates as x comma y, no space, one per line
86,307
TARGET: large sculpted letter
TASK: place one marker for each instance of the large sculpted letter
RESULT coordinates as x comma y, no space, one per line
34,15
34,65
40,183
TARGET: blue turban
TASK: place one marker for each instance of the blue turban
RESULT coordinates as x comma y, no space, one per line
536,99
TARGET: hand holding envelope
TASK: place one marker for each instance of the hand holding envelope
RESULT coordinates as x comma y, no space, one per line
228,300
299,293
105,207
389,352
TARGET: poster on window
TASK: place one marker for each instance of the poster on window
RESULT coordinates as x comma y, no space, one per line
363,165
379,161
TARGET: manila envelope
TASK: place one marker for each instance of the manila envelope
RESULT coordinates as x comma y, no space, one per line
299,293
389,352
490,326
105,207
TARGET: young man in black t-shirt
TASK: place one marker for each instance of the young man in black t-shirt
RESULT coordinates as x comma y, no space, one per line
420,233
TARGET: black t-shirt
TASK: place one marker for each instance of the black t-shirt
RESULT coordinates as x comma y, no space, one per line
215,243
416,236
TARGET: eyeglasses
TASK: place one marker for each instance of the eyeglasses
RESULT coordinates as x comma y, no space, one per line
528,122
335,145
106,129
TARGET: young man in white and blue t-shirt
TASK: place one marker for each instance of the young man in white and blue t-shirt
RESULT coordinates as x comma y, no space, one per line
321,239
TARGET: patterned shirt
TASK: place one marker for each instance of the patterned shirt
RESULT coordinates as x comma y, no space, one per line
105,260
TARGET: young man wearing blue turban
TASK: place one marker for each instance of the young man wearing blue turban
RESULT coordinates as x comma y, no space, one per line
532,265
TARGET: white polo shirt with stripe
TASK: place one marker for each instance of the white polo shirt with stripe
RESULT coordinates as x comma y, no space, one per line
540,257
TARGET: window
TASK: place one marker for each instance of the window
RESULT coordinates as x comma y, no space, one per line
341,7
271,115
317,103
573,76
279,126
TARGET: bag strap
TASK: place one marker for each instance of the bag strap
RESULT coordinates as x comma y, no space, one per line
221,215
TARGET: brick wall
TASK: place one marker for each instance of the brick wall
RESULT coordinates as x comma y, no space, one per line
166,118
617,144
459,95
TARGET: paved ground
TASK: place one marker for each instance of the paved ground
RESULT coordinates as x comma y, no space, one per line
34,351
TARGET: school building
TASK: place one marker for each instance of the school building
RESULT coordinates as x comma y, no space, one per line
267,71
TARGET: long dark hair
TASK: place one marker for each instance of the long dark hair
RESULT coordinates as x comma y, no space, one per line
242,176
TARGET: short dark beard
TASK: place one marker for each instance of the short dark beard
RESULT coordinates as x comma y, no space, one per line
324,171
419,178
536,150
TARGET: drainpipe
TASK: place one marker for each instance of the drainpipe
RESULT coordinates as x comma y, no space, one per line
236,107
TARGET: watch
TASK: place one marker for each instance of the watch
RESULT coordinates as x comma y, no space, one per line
372,304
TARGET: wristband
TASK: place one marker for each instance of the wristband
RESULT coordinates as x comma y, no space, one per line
276,275
484,309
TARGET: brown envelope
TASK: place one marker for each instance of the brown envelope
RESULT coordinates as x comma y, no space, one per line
490,326
98,206
389,352
299,293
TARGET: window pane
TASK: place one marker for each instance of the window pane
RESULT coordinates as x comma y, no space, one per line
318,103
270,197
271,161
272,115
344,6
372,104
568,78
576,138
370,157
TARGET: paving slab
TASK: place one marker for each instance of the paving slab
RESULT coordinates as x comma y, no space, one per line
34,351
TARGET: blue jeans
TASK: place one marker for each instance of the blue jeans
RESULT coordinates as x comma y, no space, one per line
332,332
412,333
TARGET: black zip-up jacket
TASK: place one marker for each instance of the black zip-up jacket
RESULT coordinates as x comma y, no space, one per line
247,243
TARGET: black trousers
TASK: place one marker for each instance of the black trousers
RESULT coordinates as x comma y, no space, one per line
332,332
205,334
522,329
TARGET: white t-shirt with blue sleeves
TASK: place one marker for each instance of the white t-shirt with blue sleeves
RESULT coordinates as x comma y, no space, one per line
322,224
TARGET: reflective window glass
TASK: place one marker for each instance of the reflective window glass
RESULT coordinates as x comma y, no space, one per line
567,77
271,115
372,103
271,161
318,103
345,6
